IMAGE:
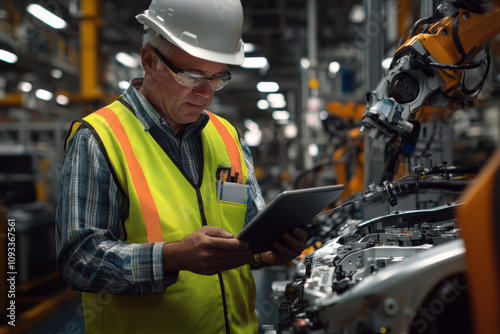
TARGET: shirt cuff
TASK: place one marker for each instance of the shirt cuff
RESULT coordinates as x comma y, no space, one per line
166,279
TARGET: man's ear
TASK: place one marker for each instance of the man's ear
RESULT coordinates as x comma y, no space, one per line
147,59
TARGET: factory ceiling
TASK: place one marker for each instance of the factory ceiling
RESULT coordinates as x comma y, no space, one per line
278,29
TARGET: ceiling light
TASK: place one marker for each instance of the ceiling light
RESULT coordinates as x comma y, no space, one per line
278,104
123,84
290,130
281,115
24,86
313,150
7,56
251,125
249,47
62,100
263,104
334,67
127,60
43,94
276,100
267,87
253,137
46,17
255,62
305,63
357,14
56,73
273,97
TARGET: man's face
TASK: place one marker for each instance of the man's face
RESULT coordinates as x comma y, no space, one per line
180,105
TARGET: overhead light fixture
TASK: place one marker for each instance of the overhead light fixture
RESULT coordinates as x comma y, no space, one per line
305,63
123,84
62,100
253,137
46,16
276,100
43,94
127,60
255,62
56,73
290,130
249,47
273,97
281,116
267,87
313,150
357,14
24,86
8,57
251,125
278,104
263,104
334,67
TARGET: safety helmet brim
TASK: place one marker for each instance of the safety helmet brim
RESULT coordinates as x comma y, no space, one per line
188,42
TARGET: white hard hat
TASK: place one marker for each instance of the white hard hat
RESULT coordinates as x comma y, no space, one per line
207,29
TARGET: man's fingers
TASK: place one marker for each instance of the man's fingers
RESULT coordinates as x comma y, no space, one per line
294,242
221,239
300,234
218,232
228,255
218,261
228,244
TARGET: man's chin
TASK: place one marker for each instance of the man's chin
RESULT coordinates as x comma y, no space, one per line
192,116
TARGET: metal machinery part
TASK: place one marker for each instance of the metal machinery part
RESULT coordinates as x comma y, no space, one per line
429,68
379,278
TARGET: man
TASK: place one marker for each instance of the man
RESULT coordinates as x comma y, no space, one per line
140,229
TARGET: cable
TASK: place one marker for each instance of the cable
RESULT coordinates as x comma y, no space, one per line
336,208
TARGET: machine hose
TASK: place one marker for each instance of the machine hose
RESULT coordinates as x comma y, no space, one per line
413,185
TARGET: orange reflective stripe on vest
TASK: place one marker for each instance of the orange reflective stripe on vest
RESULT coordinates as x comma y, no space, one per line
232,147
151,218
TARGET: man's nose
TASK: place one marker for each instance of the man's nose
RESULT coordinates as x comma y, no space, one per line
204,90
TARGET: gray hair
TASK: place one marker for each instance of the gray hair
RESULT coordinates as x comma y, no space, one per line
157,41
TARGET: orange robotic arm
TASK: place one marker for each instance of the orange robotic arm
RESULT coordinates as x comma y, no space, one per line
428,69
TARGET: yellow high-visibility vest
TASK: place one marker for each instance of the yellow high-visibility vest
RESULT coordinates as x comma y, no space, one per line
166,206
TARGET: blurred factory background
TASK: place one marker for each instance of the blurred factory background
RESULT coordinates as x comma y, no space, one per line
298,101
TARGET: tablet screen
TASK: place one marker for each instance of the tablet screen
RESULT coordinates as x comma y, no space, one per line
289,209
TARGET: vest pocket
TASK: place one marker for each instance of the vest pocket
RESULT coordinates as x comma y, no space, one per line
232,216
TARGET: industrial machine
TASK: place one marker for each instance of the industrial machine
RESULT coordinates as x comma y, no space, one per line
430,68
410,271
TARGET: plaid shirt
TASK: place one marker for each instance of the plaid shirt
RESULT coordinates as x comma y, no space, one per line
91,253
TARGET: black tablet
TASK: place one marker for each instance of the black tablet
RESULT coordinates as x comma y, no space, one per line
289,209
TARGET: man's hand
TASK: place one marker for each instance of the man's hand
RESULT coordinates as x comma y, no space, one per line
286,250
208,251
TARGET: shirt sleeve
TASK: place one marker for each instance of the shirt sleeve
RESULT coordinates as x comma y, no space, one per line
91,253
256,200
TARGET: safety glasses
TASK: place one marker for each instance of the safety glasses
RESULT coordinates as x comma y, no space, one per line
193,80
